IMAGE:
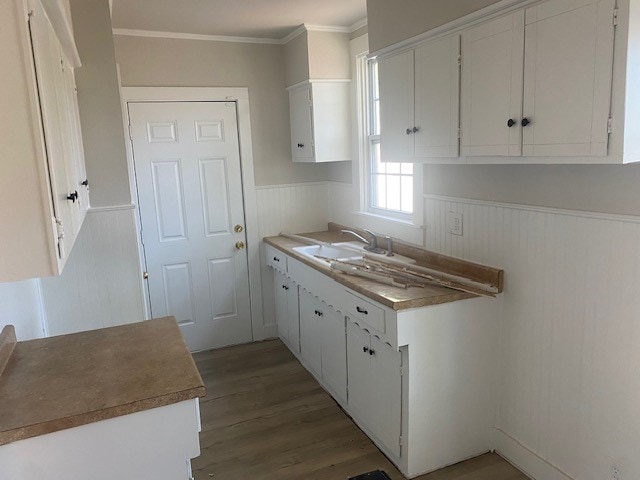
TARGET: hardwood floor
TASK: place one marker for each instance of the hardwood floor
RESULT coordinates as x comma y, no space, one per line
265,417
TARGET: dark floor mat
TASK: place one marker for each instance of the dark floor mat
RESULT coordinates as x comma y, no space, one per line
377,475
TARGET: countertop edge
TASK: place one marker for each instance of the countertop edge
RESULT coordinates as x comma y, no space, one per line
8,343
56,425
397,306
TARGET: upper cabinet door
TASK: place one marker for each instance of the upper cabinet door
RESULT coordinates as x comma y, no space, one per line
492,69
301,124
397,122
567,81
437,98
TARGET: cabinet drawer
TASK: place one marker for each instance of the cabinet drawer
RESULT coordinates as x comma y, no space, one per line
366,312
276,259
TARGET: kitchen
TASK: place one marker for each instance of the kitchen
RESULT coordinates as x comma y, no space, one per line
558,219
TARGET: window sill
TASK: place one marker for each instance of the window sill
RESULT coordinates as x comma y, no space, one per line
384,218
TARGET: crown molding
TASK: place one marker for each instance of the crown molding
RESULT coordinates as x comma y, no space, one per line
194,36
305,27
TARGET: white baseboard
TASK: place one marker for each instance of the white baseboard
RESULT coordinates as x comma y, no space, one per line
524,459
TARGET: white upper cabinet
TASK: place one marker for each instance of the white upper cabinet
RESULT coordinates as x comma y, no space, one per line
552,82
42,173
492,59
567,78
419,102
320,121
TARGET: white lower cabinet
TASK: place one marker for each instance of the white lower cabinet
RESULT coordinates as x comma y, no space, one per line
375,386
287,313
420,383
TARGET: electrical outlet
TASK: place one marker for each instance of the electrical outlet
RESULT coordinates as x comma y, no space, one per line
616,471
454,223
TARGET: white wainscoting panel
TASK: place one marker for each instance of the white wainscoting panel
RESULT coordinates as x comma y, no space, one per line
295,208
570,333
100,285
21,306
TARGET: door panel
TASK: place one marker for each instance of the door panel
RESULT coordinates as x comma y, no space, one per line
359,372
310,331
334,351
386,398
293,316
567,82
397,107
437,98
301,124
492,69
189,184
282,310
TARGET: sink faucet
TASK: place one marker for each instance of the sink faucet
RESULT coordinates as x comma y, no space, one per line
370,246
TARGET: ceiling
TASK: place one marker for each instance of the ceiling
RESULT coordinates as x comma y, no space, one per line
271,19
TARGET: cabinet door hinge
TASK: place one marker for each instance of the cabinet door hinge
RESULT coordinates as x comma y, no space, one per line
459,133
460,60
401,440
615,17
401,371
610,125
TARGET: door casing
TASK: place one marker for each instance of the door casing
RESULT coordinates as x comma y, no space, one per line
208,94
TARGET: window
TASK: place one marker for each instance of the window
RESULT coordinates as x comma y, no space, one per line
389,185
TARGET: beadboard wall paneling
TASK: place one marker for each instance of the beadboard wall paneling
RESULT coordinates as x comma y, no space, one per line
570,386
21,306
100,285
295,208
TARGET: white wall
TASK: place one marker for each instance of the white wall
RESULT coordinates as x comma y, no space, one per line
20,304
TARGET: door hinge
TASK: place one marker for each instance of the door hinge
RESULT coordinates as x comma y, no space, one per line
615,17
610,125
460,60
145,275
59,229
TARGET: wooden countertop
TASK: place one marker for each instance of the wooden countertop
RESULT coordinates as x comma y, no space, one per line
393,297
62,382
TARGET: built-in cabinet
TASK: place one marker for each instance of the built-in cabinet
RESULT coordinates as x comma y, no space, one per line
419,94
420,383
320,121
536,86
45,190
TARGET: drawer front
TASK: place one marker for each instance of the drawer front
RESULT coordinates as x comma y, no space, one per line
276,259
366,312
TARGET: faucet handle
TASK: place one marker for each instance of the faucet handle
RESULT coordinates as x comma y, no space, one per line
374,238
389,246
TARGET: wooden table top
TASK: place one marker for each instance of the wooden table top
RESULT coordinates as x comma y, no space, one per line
55,383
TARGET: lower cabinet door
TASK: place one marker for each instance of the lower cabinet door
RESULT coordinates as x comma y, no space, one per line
282,289
359,373
386,395
310,331
334,351
293,316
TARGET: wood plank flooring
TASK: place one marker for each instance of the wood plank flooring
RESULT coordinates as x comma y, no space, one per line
265,417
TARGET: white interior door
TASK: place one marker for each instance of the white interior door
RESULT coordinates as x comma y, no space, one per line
567,81
492,69
437,93
187,162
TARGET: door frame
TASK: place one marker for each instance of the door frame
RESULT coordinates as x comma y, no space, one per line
240,96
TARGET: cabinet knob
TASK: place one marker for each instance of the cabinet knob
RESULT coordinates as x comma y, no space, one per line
365,349
276,259
73,196
511,123
416,129
409,131
85,183
372,352
284,287
301,145
525,122
362,310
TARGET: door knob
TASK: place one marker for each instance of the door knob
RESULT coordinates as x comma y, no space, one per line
238,228
240,245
